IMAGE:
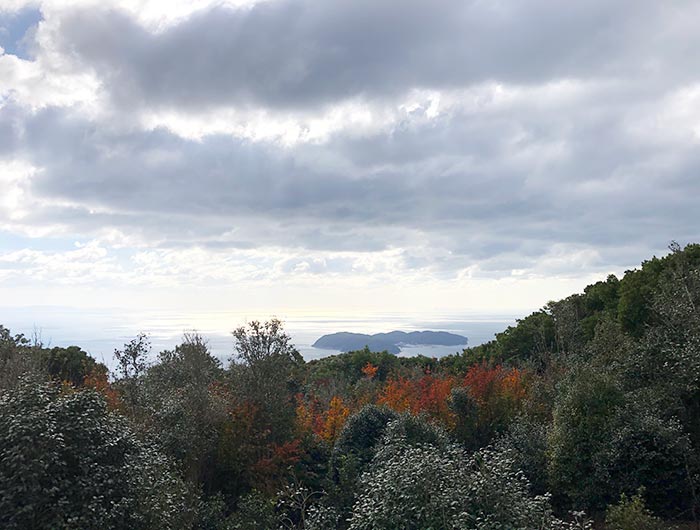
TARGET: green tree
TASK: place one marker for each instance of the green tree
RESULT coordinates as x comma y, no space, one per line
580,435
18,356
605,441
466,411
70,364
422,484
132,362
185,411
266,371
69,463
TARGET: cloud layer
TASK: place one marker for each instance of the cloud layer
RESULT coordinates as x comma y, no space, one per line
351,139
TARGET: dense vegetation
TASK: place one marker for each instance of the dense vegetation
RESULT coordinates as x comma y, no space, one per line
586,410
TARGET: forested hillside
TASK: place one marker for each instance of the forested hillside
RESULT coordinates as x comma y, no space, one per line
585,412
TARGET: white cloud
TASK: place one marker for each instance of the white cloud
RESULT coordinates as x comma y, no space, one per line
349,145
14,176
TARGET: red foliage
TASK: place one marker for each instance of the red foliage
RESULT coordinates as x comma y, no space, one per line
486,383
498,391
276,462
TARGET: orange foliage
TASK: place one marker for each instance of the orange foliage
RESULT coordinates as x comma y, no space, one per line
97,379
326,424
434,394
370,370
305,416
308,417
335,419
428,395
398,395
514,385
487,384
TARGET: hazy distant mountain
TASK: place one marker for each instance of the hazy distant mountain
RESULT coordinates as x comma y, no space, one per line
390,342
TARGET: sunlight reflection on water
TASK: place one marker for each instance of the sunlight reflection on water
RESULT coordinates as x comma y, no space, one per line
101,331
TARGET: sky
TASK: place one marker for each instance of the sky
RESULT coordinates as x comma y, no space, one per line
293,157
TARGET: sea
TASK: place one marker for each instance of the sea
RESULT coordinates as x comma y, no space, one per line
100,331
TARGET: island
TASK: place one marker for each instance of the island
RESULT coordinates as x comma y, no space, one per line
391,342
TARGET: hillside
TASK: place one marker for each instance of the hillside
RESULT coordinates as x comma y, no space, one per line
588,409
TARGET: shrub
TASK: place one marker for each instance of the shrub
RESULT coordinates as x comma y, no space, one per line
631,514
437,485
69,463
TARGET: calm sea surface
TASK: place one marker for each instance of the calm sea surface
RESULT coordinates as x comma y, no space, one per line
99,332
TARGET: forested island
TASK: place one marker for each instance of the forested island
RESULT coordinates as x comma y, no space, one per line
587,412
390,342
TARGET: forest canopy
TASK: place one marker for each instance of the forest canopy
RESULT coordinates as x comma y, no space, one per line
585,411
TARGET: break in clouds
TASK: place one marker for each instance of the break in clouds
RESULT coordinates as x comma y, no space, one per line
312,137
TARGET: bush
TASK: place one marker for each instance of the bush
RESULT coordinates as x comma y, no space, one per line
526,438
631,514
437,485
604,442
69,463
579,438
354,448
255,511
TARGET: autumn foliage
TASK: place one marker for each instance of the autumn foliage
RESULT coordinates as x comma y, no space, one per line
489,384
98,380
334,419
497,391
325,423
370,370
425,395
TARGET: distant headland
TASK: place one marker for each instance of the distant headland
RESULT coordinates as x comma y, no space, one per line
391,342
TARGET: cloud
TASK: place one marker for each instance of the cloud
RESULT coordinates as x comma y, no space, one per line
310,54
316,139
465,186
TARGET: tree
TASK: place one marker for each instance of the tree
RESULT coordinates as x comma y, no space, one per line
605,441
266,367
335,419
69,463
427,482
17,357
132,362
69,364
533,334
258,343
353,451
185,410
427,394
466,414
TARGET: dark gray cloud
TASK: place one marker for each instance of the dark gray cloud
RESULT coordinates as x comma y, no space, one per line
308,53
450,192
591,148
